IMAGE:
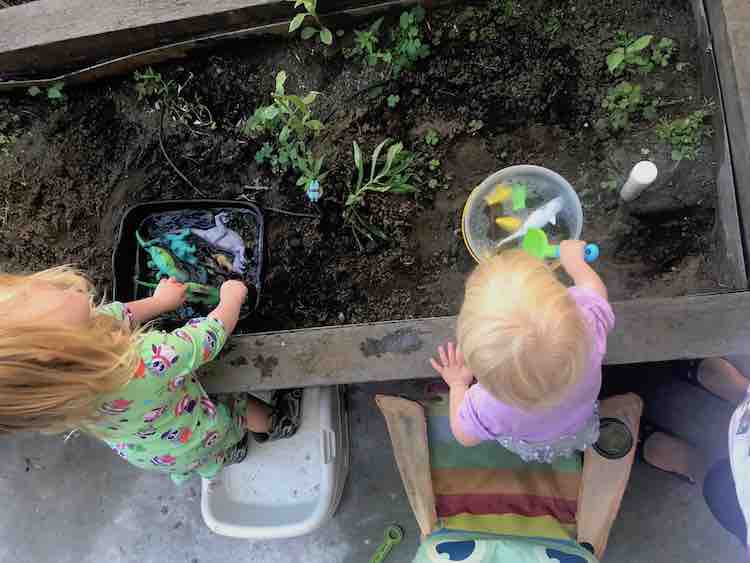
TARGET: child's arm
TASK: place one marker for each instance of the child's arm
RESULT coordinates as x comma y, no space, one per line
169,295
232,296
459,379
571,258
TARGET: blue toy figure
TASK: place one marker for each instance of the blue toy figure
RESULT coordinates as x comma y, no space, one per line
180,247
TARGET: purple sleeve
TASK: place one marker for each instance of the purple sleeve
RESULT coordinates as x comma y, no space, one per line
468,415
597,312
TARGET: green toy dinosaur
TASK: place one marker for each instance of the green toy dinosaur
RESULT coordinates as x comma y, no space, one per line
162,261
196,292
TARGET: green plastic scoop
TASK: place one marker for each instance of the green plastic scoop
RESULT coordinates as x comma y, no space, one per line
535,243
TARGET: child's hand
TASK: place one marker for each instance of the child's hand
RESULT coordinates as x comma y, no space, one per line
572,253
170,294
451,366
233,292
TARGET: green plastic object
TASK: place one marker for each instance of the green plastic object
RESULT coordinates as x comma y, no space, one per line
161,260
535,243
518,196
392,537
196,292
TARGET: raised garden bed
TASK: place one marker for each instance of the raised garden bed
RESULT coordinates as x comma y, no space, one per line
500,86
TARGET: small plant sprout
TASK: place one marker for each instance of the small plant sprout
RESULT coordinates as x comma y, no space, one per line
393,100
149,83
434,164
311,10
432,138
392,175
366,45
630,53
622,103
662,51
290,122
684,135
474,125
54,93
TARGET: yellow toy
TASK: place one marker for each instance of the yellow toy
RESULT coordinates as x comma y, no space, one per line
501,193
509,224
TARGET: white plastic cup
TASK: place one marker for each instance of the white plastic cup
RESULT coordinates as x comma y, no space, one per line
641,176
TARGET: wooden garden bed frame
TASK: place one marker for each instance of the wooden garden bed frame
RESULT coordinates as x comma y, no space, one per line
78,40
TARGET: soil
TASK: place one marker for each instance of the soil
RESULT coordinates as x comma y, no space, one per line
536,84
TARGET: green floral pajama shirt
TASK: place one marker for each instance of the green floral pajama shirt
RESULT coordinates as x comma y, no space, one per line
162,419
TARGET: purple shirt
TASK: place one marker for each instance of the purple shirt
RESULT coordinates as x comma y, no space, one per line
484,417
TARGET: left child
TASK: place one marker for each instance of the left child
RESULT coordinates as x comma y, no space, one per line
65,364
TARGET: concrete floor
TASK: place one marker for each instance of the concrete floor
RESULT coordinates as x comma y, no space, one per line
75,501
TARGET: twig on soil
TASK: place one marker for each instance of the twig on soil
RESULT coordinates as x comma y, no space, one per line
169,160
276,209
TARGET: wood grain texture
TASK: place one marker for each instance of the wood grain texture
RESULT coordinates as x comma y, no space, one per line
603,481
407,428
646,330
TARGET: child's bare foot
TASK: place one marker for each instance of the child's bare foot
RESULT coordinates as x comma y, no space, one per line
672,455
258,416
722,379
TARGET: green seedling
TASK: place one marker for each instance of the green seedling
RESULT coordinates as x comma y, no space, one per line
684,135
150,83
662,51
392,175
630,53
53,93
434,165
622,103
393,100
474,125
432,138
317,29
366,45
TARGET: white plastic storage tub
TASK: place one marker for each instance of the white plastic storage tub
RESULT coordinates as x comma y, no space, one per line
289,487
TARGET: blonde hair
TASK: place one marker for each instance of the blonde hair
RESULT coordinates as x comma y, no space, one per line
521,332
52,374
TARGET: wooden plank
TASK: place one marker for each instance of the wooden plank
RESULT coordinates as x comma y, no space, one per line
48,38
729,22
728,256
646,330
407,427
604,481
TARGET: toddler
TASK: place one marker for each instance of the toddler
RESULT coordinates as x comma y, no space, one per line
65,364
535,348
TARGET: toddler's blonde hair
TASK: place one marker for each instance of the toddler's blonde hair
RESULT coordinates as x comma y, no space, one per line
51,374
521,332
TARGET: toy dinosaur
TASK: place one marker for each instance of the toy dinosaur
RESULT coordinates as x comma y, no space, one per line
161,261
180,247
225,239
196,292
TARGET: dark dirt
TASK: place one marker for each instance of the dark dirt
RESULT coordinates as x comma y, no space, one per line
536,83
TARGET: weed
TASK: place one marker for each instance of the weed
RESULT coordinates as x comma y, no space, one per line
684,135
407,44
474,125
434,164
432,138
53,93
149,83
290,121
393,175
662,51
622,103
311,10
552,23
6,141
393,100
630,53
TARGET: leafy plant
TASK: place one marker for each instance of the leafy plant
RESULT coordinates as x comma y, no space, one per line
392,175
552,23
290,121
150,83
53,93
622,102
407,44
434,164
630,53
311,11
432,138
393,100
684,135
662,51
